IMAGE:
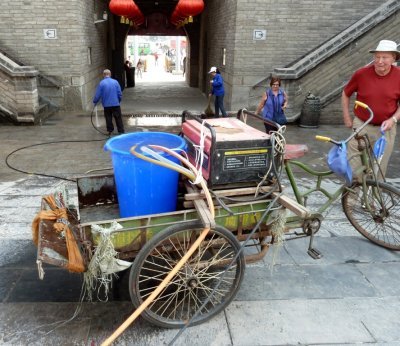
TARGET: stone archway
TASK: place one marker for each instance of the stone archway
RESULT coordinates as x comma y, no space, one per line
157,24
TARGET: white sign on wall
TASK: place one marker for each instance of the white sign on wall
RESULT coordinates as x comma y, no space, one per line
50,34
259,34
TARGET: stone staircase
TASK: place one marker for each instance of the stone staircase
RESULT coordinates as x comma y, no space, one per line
21,102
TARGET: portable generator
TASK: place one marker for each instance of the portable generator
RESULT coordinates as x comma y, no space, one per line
234,152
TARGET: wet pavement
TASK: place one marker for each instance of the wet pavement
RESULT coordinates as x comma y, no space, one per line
350,296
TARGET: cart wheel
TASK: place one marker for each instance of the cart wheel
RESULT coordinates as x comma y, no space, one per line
181,299
381,225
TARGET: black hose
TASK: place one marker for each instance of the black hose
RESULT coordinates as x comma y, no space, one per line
91,120
53,142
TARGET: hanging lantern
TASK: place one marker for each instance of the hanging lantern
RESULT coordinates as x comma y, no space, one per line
133,10
177,17
128,11
135,15
190,8
120,7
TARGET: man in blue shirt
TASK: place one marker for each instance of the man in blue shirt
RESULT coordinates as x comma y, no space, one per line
109,91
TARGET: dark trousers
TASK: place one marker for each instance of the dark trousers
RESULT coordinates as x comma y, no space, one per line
109,113
269,128
219,105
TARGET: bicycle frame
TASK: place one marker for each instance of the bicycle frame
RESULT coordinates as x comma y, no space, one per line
366,170
370,205
301,196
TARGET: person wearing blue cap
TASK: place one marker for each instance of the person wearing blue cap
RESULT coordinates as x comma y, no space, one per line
378,86
217,89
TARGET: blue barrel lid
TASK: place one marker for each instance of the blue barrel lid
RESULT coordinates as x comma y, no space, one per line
123,143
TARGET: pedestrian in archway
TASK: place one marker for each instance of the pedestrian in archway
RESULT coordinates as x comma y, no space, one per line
155,58
184,66
129,74
139,68
217,89
109,91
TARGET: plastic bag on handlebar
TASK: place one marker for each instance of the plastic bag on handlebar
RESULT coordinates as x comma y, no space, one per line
338,163
379,147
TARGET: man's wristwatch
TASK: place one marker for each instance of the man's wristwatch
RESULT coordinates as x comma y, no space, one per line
394,119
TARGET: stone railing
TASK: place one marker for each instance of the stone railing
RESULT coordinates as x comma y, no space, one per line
325,70
19,99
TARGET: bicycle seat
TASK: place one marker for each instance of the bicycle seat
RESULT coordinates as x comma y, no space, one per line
295,151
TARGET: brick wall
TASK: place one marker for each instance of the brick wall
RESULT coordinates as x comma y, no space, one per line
219,31
64,59
293,28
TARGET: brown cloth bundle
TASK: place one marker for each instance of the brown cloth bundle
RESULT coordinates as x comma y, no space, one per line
75,259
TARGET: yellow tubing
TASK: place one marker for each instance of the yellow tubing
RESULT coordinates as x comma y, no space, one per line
193,169
172,166
184,259
157,291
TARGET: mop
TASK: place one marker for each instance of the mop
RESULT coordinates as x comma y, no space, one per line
208,111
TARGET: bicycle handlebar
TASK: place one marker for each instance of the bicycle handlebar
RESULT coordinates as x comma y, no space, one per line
356,131
323,138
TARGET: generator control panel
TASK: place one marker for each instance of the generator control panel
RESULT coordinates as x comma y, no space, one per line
234,152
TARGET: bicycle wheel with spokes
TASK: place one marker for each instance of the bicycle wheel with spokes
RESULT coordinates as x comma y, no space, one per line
208,269
378,216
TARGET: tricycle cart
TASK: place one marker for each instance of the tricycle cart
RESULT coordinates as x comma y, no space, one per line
250,215
249,218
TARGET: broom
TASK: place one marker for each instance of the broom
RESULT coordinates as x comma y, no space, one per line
208,111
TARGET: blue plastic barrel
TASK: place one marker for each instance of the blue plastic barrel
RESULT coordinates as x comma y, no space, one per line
143,187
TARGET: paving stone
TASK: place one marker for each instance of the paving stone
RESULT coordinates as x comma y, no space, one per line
58,285
300,321
319,281
338,250
17,253
383,276
42,324
8,279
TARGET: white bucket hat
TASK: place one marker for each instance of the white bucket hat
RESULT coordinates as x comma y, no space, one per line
387,46
212,69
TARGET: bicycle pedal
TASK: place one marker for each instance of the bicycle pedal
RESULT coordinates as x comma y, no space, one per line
314,253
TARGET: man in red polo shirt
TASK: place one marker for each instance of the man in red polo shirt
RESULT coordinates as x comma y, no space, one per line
378,86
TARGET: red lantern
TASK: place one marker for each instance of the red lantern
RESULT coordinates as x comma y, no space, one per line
121,7
136,15
176,17
133,10
189,8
